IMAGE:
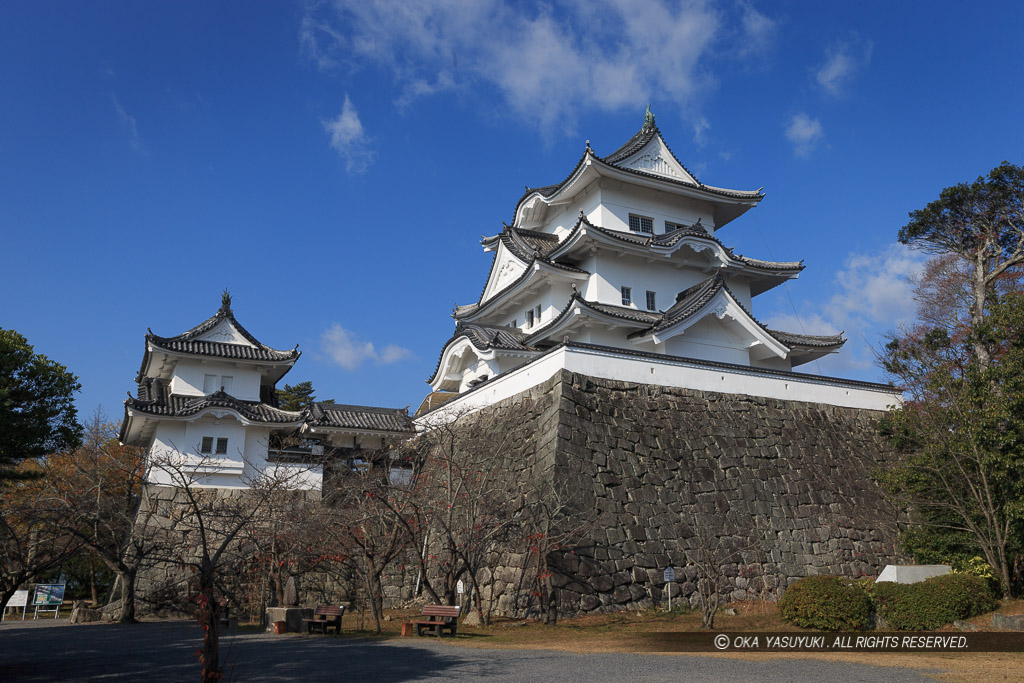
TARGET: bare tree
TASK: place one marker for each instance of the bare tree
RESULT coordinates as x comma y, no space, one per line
713,544
32,540
470,483
96,491
367,519
211,525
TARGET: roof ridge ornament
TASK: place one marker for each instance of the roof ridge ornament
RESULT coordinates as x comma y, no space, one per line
225,300
649,124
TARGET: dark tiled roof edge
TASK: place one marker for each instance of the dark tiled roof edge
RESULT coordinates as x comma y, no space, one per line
472,332
177,405
369,418
823,340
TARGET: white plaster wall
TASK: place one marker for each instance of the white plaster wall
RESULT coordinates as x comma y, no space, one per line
708,340
189,376
774,363
619,202
254,450
609,273
665,372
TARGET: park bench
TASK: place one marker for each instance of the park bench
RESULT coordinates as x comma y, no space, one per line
324,617
439,618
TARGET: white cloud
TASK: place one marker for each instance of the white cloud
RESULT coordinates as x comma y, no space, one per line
759,31
842,60
547,62
349,139
345,349
874,295
128,121
805,133
700,131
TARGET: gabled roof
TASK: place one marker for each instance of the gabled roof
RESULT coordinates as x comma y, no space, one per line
188,342
484,338
614,160
577,305
535,264
695,299
370,418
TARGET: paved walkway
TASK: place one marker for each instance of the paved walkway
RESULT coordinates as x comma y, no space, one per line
165,651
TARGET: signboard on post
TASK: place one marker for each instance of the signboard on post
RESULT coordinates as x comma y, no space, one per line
19,599
48,597
670,576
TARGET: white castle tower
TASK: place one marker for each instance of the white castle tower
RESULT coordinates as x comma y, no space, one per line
617,272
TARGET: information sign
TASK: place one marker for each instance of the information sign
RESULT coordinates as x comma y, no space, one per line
48,598
670,576
19,599
48,594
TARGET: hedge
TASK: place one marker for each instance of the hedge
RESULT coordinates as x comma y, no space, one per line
932,603
833,603
826,603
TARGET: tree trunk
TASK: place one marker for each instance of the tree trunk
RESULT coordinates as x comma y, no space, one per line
92,586
209,621
128,578
979,292
374,595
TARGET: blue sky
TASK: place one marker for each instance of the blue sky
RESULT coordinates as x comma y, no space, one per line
334,164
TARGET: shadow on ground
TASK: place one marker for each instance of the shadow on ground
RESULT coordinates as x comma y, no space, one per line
168,651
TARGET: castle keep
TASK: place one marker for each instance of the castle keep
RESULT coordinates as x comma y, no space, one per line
612,310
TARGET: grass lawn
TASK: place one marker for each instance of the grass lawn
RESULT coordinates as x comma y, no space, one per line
610,633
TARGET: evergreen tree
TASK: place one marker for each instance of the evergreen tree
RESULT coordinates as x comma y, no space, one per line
37,408
296,397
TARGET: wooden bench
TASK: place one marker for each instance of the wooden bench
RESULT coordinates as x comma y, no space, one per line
439,618
324,617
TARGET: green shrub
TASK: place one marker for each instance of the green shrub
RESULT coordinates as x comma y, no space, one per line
932,603
826,603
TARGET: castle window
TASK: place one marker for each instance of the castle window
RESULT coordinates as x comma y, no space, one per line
536,312
529,319
641,223
207,445
669,227
627,296
212,383
514,323
222,446
651,306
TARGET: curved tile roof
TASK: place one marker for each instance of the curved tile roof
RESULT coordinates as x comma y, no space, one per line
670,239
629,148
187,342
823,340
176,405
342,416
484,337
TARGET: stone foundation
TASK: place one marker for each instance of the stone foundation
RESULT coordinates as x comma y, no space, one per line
780,489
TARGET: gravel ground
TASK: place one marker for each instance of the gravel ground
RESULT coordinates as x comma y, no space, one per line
165,651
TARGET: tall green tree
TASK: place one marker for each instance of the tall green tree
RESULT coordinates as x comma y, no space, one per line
37,409
960,434
296,397
982,223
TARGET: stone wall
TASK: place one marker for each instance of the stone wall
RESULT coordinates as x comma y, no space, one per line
780,490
